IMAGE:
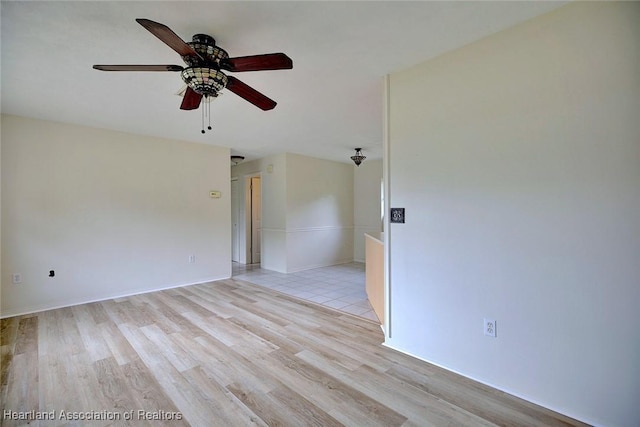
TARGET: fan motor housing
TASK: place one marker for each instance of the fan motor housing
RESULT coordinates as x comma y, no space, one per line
206,47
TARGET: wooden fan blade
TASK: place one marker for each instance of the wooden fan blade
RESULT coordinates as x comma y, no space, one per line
250,94
268,61
138,67
169,38
191,100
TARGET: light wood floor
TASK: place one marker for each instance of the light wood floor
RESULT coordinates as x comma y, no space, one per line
230,353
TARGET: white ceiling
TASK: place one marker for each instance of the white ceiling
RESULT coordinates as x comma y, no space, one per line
328,104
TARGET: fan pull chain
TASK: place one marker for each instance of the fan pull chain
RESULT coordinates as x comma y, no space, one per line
202,113
207,112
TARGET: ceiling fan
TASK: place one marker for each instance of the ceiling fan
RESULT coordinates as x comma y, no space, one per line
205,62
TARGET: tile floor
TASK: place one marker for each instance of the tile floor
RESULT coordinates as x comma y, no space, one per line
339,286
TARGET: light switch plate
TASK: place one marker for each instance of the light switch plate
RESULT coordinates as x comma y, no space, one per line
215,194
397,215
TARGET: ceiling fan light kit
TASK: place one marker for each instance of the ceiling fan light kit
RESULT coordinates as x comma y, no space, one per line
204,80
205,62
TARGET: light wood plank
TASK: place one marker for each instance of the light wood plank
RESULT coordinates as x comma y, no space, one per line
8,334
427,409
27,335
22,384
89,331
282,407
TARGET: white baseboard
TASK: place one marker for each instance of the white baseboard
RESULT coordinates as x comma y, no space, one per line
71,303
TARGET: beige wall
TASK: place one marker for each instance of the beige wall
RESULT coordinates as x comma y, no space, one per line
367,180
518,161
319,212
111,213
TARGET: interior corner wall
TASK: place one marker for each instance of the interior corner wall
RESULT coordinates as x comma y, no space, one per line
273,173
517,159
319,213
307,211
367,213
111,213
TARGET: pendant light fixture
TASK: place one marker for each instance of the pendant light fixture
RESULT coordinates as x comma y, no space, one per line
358,158
235,160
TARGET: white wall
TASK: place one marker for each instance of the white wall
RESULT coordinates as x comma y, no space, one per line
367,180
112,213
518,161
307,211
319,212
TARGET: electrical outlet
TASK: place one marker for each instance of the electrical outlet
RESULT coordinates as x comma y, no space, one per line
16,278
490,328
192,259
